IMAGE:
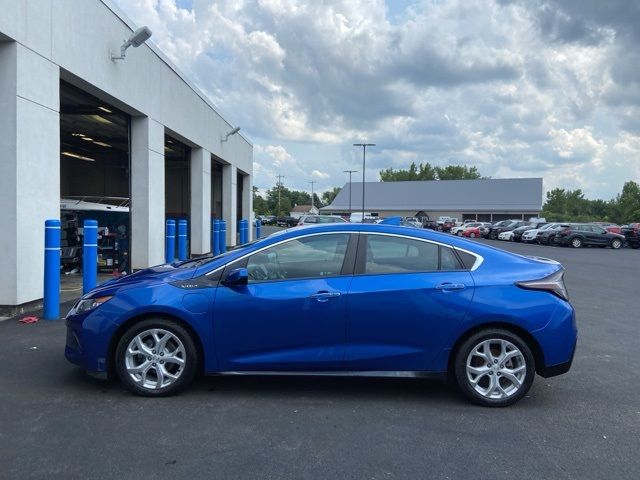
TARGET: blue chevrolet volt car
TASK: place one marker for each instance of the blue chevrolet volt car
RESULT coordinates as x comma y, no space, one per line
335,299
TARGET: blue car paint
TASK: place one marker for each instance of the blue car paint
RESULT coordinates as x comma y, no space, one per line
390,322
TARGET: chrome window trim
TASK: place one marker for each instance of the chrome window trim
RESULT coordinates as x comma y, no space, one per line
476,264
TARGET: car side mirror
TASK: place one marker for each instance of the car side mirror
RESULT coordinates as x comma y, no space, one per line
237,276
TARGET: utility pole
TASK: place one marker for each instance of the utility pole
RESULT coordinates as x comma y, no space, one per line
350,172
364,157
279,185
312,182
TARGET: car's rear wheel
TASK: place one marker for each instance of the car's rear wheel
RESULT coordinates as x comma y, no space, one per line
472,235
616,243
156,358
494,368
459,233
576,242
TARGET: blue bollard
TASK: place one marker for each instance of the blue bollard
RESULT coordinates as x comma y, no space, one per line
223,236
90,256
170,242
182,240
245,228
51,295
258,229
241,232
216,237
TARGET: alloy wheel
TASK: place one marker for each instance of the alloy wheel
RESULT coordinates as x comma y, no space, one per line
496,369
155,358
576,243
616,243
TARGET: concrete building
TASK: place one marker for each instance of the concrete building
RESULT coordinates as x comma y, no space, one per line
75,123
483,200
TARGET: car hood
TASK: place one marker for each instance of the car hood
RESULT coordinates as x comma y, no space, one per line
157,274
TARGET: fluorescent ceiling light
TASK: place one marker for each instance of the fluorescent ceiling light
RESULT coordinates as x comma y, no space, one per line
79,157
102,144
77,134
105,109
100,119
88,139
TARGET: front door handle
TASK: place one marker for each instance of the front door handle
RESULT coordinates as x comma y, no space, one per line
450,286
324,296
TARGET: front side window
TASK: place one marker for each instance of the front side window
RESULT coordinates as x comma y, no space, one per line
387,254
306,257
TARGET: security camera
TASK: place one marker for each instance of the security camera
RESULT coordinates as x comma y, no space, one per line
136,39
232,132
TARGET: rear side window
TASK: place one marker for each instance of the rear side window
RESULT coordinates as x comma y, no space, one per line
310,220
388,254
468,260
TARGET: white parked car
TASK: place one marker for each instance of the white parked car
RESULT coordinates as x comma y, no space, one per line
414,221
530,235
506,235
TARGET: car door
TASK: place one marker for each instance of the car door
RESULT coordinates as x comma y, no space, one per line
599,235
291,314
406,299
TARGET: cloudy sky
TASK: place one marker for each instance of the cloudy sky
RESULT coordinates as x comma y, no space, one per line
516,88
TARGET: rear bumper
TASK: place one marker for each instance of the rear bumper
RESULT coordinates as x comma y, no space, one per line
559,369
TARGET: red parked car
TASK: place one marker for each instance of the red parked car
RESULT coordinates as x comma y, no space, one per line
610,227
472,232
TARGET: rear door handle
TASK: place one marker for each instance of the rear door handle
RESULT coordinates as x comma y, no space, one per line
323,296
450,286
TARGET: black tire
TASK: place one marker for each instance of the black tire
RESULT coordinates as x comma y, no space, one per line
464,382
616,243
576,242
191,357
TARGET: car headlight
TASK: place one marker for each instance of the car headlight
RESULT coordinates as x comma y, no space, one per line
88,304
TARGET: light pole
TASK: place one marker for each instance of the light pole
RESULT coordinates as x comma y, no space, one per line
364,158
312,182
279,184
350,172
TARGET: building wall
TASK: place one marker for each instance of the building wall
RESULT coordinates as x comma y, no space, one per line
46,40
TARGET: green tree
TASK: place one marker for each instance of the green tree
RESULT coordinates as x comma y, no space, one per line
428,172
260,206
330,195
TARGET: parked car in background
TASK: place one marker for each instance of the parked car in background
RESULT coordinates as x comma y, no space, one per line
545,237
631,234
286,221
458,229
505,227
583,234
506,235
414,221
446,225
529,236
518,232
487,319
268,219
609,227
315,219
472,232
425,220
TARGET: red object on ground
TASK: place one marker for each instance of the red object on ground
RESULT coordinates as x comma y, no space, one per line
29,320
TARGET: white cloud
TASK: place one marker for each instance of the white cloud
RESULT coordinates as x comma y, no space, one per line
520,88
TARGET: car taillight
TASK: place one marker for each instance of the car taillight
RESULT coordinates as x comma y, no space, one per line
553,283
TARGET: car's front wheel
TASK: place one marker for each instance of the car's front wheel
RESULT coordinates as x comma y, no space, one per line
494,368
156,358
576,242
616,243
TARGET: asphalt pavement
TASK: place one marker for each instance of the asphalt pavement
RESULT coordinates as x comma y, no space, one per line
55,422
